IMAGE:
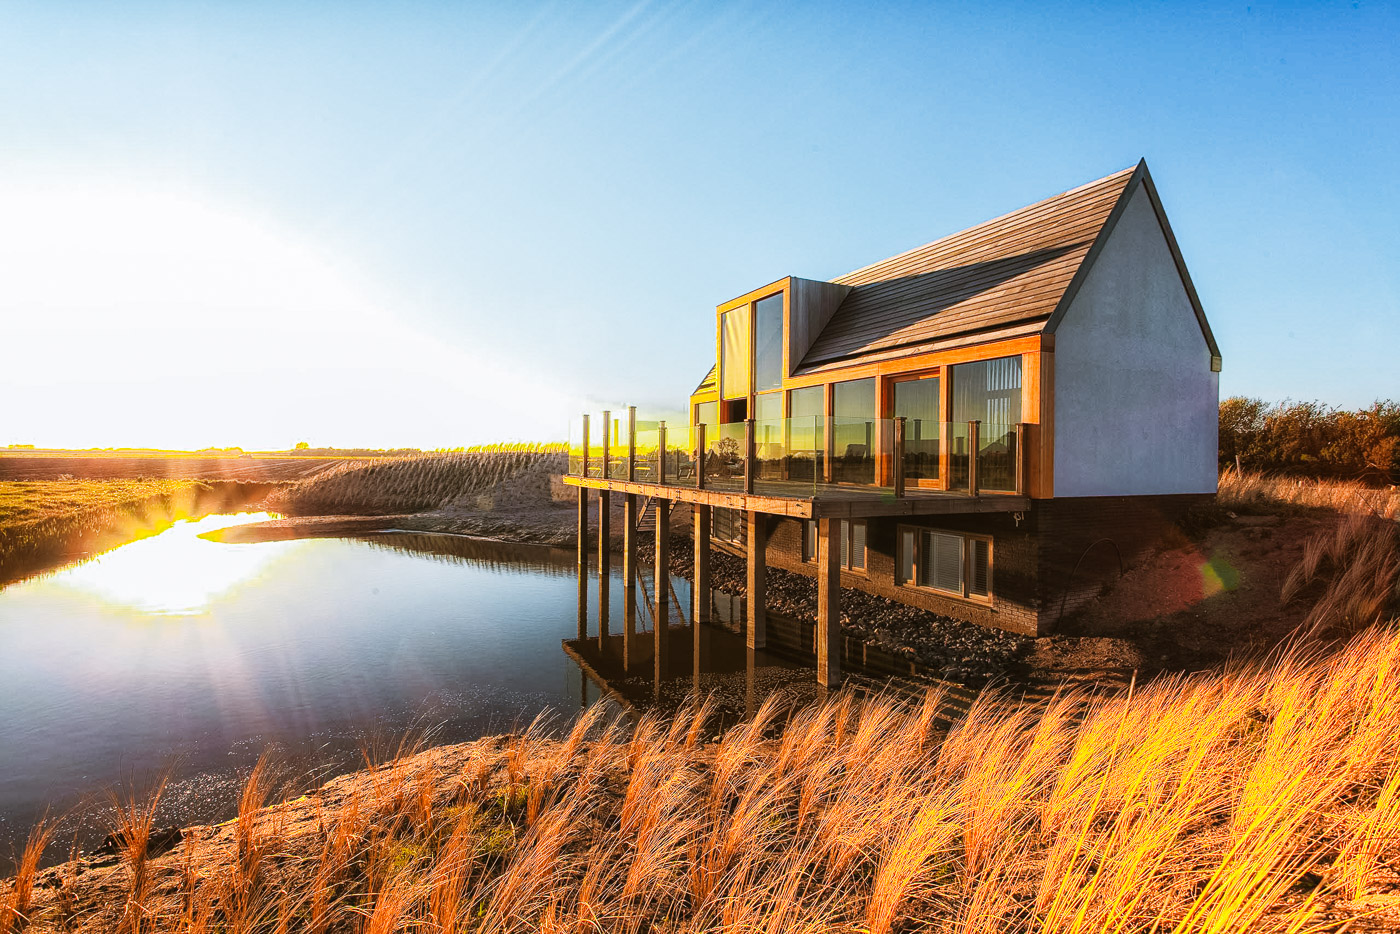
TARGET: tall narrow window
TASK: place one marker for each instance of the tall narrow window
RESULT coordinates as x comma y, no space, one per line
916,401
734,353
806,433
851,533
988,391
768,343
853,431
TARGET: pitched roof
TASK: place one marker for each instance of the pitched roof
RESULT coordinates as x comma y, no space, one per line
1007,271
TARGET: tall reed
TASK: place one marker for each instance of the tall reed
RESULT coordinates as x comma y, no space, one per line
1259,798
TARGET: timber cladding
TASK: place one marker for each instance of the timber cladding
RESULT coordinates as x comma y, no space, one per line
1007,271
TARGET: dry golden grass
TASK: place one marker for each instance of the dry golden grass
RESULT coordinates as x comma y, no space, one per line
1252,491
385,486
1261,799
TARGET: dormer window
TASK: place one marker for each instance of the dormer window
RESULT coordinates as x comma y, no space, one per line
768,343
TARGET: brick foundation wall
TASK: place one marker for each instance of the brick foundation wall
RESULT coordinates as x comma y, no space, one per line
1055,560
1014,603
1083,540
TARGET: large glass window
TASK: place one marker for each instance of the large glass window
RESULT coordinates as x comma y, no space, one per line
768,343
988,391
768,436
853,431
916,400
734,353
706,413
768,407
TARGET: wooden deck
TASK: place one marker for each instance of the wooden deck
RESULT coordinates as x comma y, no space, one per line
795,499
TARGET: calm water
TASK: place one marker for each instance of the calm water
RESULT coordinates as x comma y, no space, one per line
196,655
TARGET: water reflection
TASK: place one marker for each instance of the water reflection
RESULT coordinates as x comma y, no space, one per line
175,648
502,557
175,573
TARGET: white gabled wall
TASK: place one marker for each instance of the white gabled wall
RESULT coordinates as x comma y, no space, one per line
1136,402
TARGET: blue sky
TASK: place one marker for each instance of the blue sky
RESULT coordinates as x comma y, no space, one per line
439,224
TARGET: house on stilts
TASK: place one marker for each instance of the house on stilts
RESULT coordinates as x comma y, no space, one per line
988,426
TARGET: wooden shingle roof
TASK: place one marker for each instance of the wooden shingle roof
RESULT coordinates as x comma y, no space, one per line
708,383
1012,270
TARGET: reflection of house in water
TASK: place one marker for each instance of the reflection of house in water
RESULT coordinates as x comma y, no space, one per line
984,427
715,659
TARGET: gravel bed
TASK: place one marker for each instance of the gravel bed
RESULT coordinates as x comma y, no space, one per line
945,647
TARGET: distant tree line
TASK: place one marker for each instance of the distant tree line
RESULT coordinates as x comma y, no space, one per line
1310,439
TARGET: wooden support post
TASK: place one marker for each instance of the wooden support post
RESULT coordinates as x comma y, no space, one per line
750,686
748,455
584,471
703,528
758,581
898,456
661,624
974,442
828,602
661,452
703,600
607,441
700,457
631,443
604,560
583,562
1022,449
629,578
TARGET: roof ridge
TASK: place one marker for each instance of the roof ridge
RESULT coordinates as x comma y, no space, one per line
991,220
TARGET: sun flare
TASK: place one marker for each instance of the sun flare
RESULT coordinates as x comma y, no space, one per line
176,573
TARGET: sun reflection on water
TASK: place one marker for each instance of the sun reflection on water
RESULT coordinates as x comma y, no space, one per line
175,573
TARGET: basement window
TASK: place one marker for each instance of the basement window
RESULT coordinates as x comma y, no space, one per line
952,563
852,543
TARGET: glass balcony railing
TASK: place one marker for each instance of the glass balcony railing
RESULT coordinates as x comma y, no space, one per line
802,456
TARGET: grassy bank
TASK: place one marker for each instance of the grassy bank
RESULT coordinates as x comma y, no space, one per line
47,521
1260,800
1255,492
424,482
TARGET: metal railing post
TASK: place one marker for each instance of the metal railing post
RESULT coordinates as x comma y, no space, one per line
607,437
583,471
661,453
974,443
700,456
631,443
899,455
748,455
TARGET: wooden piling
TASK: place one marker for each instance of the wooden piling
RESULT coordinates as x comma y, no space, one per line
661,624
828,602
583,562
604,561
629,579
757,636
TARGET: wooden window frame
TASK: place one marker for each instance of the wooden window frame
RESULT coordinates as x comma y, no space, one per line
887,394
845,525
750,301
967,537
